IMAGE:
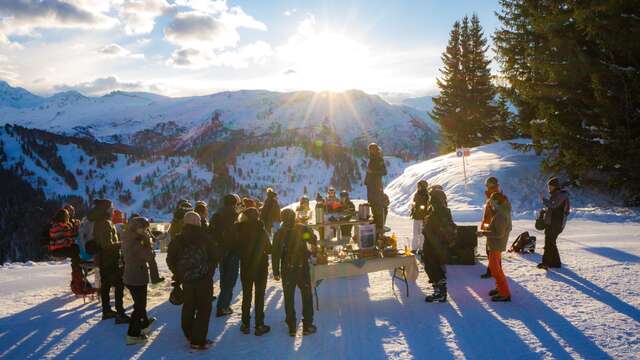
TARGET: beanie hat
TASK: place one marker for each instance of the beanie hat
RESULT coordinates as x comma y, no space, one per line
554,181
191,218
288,216
491,181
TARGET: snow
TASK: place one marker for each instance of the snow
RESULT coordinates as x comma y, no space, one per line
589,309
520,179
353,114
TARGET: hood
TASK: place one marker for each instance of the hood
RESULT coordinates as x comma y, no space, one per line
249,215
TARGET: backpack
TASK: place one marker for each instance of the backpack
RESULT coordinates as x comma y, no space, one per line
193,263
523,244
86,242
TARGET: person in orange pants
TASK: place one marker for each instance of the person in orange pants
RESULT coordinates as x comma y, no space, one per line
497,238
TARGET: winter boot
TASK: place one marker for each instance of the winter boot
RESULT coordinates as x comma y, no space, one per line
133,340
440,292
500,298
493,292
122,318
109,314
223,312
244,328
262,329
157,281
309,329
486,275
147,329
543,266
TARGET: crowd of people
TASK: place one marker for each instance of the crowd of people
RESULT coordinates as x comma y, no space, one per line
243,234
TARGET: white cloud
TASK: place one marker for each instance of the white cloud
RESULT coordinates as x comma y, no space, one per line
139,16
289,12
117,50
23,17
256,53
108,84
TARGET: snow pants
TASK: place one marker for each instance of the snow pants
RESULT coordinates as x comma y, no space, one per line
72,252
196,310
551,256
229,269
495,264
249,284
139,319
292,279
111,278
434,257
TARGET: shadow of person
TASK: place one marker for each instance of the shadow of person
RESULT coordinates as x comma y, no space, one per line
45,328
614,254
569,277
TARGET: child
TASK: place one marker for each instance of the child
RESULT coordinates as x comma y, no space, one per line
291,259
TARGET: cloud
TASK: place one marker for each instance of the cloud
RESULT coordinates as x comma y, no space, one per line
117,50
21,17
139,16
197,29
289,72
256,53
289,12
108,84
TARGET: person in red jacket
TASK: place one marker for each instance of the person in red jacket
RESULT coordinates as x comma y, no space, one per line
62,244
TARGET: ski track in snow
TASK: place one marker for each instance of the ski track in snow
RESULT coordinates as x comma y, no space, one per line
589,309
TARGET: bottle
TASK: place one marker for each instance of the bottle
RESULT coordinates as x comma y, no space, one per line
394,241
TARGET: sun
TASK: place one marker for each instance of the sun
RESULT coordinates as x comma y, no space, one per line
328,61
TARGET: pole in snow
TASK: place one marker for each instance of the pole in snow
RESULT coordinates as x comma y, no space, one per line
463,153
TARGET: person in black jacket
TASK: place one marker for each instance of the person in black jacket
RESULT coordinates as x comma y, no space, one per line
439,234
254,267
270,212
190,258
418,212
376,170
108,259
291,260
555,217
348,212
221,228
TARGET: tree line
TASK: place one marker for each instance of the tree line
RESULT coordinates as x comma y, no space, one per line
568,78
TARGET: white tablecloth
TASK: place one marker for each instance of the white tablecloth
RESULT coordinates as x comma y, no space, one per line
340,270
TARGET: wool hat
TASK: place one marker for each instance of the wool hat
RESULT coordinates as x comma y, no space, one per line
554,181
491,181
191,218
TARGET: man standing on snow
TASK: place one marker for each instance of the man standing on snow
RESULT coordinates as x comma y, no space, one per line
492,187
108,259
555,217
497,233
376,170
270,212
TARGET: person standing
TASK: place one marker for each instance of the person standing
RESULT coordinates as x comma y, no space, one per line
439,234
221,227
376,170
290,260
557,209
348,212
492,187
190,258
137,253
270,212
254,268
419,208
497,234
108,259
182,208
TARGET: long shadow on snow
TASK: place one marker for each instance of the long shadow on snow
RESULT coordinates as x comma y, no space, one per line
587,287
36,331
614,254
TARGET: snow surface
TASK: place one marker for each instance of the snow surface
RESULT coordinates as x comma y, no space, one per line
590,309
520,179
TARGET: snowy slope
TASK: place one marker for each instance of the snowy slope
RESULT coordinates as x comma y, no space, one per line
353,114
16,97
518,173
590,309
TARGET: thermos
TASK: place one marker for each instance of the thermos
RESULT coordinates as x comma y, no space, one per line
364,211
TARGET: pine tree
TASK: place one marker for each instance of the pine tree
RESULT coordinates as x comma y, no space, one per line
573,72
447,109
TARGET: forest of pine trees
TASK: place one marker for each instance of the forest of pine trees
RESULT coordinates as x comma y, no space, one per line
571,71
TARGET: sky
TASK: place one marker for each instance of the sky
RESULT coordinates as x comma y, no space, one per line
196,47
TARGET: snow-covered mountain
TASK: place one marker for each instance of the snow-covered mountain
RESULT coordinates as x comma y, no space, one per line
423,103
16,97
119,117
152,184
520,179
